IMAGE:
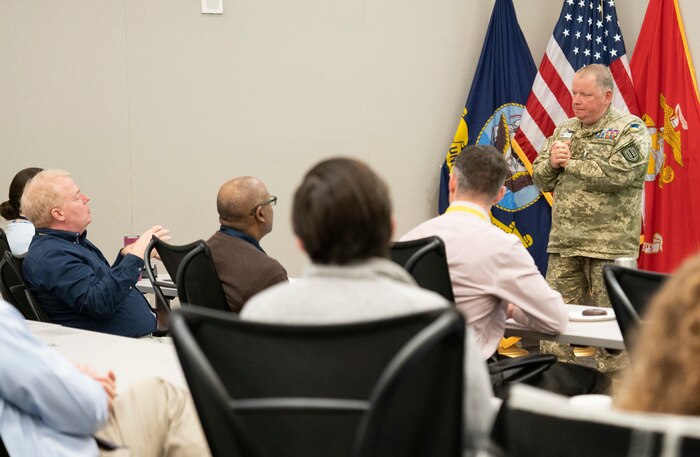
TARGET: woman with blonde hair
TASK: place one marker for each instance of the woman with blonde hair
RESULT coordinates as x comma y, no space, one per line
664,375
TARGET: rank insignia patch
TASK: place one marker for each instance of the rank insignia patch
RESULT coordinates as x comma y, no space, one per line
608,134
631,153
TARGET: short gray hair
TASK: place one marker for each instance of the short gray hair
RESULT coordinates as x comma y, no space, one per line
603,78
41,196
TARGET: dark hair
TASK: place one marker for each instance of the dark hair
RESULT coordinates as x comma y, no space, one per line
10,208
480,170
342,212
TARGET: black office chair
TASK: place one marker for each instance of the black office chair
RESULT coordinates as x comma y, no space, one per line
630,291
198,282
171,256
4,243
426,261
390,387
3,450
508,371
690,446
9,277
16,292
535,423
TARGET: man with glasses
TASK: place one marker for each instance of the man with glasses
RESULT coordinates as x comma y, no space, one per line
246,214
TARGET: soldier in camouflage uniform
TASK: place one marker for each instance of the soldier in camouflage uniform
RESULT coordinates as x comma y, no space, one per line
594,164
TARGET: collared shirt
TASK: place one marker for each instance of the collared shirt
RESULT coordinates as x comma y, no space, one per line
19,234
76,286
242,235
489,269
47,406
469,208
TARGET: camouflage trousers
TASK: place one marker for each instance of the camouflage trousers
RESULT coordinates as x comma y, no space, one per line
580,281
603,360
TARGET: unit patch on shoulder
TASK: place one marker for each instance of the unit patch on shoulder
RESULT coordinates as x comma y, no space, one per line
608,134
631,153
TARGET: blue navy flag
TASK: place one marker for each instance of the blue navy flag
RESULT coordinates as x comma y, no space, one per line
495,104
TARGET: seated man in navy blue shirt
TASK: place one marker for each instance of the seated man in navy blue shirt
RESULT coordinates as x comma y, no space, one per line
68,274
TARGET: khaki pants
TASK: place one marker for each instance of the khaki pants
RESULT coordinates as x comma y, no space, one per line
154,418
579,280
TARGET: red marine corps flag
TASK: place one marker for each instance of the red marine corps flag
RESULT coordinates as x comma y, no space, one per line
666,90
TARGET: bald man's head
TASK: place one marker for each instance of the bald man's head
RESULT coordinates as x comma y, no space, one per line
239,204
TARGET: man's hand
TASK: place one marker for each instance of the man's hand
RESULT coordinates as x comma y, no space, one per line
559,154
108,381
510,310
138,248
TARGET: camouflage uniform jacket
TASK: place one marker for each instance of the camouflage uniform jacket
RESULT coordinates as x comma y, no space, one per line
597,197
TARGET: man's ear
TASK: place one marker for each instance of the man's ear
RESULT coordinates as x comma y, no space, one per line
608,95
259,216
452,183
452,187
501,193
300,244
58,215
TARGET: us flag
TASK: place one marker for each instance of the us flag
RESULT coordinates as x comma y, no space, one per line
587,32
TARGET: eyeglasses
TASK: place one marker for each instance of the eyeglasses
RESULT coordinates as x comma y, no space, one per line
272,201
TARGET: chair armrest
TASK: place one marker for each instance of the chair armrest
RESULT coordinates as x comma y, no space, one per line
520,369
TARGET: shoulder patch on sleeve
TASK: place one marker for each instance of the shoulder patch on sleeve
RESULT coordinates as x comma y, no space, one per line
631,153
634,127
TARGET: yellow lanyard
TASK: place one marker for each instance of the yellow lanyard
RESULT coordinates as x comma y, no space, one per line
465,209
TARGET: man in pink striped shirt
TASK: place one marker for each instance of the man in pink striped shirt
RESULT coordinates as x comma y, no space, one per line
493,276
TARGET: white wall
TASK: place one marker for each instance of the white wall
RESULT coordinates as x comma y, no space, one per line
152,105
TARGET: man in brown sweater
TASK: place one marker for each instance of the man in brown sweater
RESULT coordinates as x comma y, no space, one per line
246,213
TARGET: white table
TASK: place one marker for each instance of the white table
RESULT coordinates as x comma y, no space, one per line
131,359
604,334
145,286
